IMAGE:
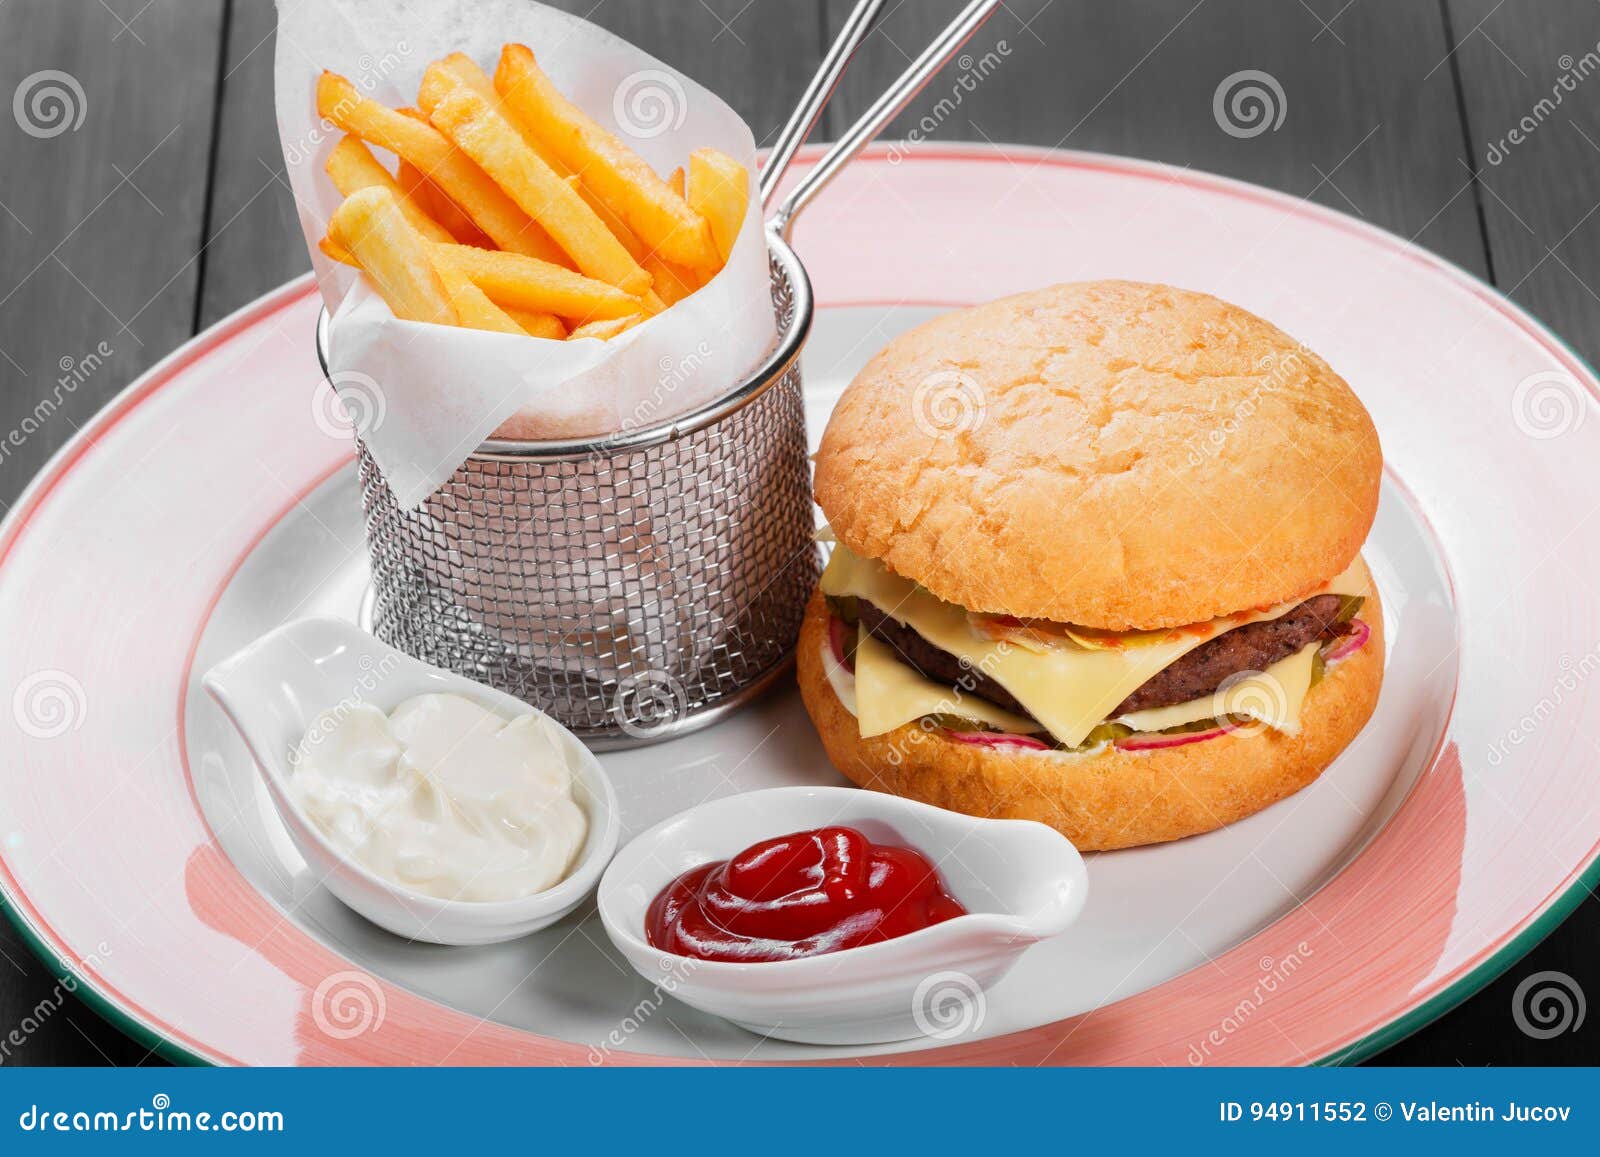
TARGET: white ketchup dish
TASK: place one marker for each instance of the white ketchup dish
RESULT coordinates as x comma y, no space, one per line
1020,882
439,809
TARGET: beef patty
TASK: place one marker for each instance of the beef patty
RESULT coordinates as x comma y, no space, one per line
1253,647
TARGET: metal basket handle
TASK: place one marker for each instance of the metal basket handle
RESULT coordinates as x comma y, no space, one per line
883,110
817,94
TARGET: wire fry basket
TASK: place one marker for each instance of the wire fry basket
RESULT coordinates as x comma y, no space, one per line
632,587
642,585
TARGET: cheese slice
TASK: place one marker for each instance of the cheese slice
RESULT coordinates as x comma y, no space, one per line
1068,688
889,693
1274,697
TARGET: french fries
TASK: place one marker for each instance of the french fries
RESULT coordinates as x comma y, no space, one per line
719,190
511,210
606,330
619,177
442,209
528,283
352,166
669,284
426,148
442,76
546,325
484,135
373,230
473,307
332,250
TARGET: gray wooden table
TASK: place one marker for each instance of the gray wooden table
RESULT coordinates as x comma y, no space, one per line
166,208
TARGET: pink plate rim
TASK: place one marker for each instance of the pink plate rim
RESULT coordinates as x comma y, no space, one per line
1397,851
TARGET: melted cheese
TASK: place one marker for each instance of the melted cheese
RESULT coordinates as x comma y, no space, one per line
1068,688
889,693
1274,697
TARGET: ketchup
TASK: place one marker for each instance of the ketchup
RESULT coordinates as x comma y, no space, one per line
799,895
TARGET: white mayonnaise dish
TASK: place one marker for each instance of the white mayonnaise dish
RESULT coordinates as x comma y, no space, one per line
442,796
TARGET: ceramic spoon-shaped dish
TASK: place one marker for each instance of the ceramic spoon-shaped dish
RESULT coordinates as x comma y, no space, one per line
272,692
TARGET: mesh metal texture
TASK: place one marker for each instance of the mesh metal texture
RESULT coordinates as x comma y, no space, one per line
631,593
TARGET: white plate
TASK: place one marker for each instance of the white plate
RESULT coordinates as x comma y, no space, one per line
204,508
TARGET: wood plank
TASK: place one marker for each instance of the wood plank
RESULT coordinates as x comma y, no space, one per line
757,57
1532,95
99,239
253,236
1364,130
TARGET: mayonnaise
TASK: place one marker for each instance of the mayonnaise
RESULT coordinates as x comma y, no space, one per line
442,796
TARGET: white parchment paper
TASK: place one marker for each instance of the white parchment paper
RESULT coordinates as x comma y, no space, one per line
426,395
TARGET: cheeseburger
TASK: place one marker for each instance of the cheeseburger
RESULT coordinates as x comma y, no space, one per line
1097,564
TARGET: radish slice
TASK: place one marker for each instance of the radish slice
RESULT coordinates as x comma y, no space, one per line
836,630
997,739
1351,643
1155,741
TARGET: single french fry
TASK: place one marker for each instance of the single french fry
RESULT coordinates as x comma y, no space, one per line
719,190
512,279
473,307
441,208
619,177
546,325
489,139
437,83
447,72
605,330
432,198
352,166
675,181
332,250
393,254
425,147
669,283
